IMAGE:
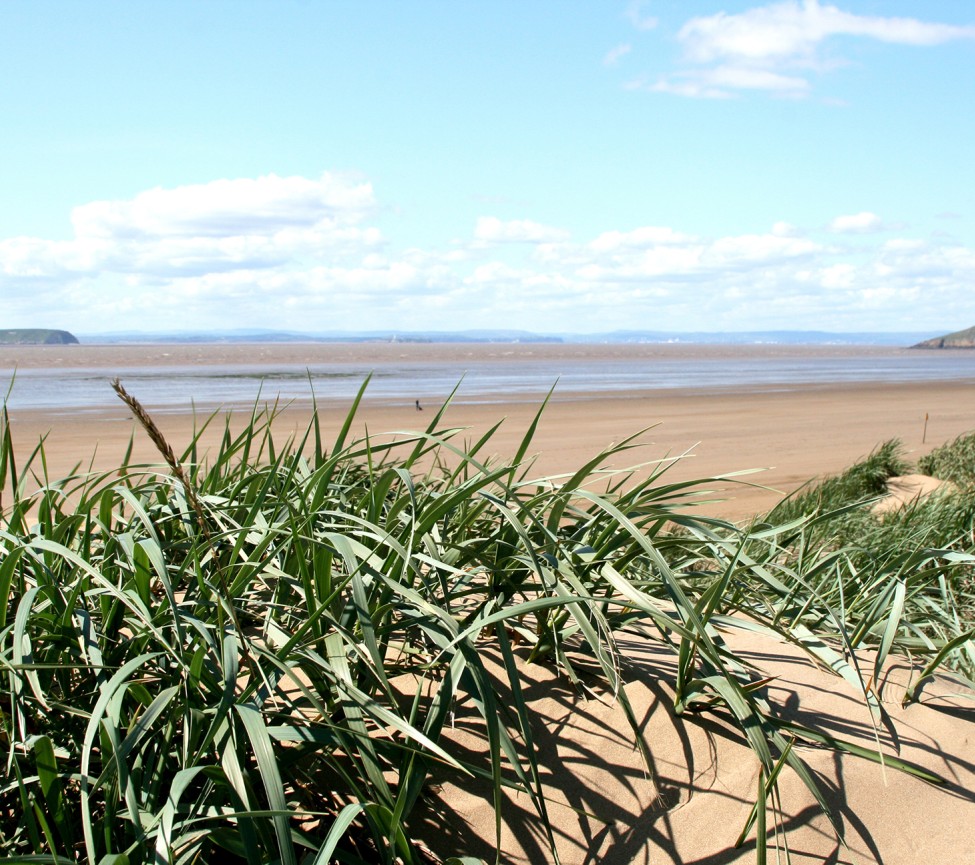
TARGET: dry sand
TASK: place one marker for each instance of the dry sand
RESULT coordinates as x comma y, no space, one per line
606,809
705,776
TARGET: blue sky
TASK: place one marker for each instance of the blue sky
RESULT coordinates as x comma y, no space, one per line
551,166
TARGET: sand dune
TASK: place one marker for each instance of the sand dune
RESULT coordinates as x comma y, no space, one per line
607,809
604,806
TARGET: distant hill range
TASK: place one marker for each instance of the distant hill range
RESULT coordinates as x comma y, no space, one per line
958,339
35,336
767,337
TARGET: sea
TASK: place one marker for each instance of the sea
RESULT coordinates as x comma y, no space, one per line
168,387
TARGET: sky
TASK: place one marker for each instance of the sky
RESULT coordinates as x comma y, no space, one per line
543,165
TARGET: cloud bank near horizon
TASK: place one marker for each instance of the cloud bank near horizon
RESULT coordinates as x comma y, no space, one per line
307,253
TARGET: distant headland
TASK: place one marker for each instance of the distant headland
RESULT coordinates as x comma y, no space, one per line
37,336
958,339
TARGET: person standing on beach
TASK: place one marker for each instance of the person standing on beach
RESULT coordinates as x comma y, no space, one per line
418,406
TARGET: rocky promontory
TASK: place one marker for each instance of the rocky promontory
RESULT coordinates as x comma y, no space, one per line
37,336
958,339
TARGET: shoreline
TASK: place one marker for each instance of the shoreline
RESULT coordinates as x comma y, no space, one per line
792,434
170,378
119,355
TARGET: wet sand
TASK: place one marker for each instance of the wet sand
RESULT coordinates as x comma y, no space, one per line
792,435
231,353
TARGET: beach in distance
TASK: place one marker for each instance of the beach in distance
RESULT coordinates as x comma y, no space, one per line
794,412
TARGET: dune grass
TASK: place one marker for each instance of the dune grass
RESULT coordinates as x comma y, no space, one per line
864,480
921,550
253,654
954,461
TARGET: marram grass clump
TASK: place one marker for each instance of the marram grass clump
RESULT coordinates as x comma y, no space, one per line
204,659
922,549
954,461
864,480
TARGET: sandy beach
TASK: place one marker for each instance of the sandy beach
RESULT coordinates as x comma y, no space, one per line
603,805
790,435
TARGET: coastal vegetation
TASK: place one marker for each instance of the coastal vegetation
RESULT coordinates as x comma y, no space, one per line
954,462
255,654
923,547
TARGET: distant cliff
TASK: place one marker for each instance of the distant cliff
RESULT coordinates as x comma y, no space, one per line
28,336
958,339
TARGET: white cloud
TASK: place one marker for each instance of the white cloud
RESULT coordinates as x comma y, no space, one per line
793,30
689,85
647,236
904,244
637,17
222,208
665,262
490,229
838,276
656,252
721,82
187,249
617,53
495,273
30,257
322,265
226,225
763,47
856,223
785,229
754,249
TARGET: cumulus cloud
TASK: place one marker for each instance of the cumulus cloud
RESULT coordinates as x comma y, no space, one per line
225,225
242,207
754,249
774,47
785,229
639,238
838,276
654,251
321,265
490,229
856,223
191,244
30,258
